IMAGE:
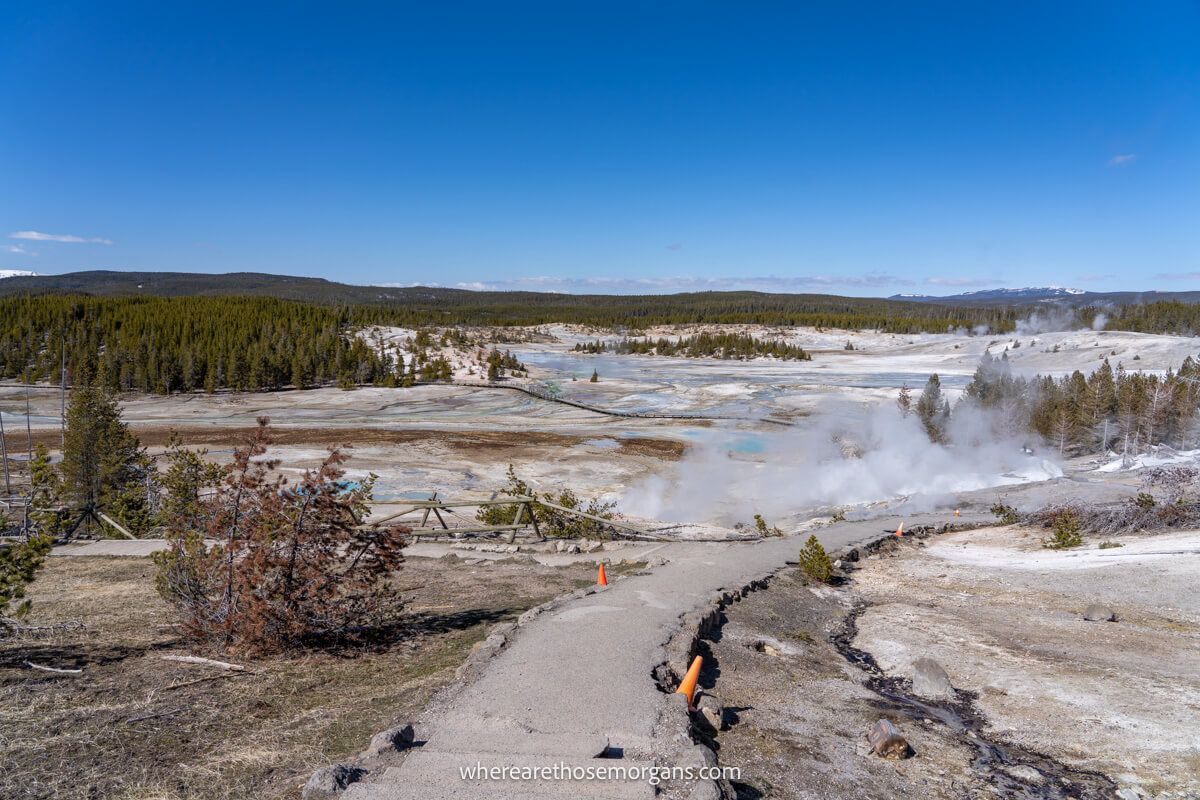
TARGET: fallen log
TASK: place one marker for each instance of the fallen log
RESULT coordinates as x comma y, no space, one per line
55,670
205,661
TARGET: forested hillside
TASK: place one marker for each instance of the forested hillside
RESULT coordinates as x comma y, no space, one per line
415,306
182,344
169,344
217,341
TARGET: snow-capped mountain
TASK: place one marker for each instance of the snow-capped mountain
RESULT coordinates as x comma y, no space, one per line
17,273
1027,293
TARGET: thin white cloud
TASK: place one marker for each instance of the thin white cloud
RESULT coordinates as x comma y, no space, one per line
65,238
1177,276
684,283
964,281
16,248
1122,159
404,285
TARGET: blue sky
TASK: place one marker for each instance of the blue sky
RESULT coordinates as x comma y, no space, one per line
844,148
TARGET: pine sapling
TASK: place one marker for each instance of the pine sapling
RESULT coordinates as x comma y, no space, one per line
814,561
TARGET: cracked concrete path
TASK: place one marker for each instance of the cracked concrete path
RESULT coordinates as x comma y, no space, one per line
577,680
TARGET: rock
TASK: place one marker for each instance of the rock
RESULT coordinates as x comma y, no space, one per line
712,710
330,781
1099,613
852,555
930,680
1024,772
397,738
886,741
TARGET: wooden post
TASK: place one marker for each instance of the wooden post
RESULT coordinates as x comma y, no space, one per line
425,516
512,537
4,456
533,518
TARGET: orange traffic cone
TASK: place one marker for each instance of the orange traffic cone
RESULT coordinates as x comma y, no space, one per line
601,578
687,687
900,530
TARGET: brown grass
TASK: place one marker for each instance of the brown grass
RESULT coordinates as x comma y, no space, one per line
470,442
128,727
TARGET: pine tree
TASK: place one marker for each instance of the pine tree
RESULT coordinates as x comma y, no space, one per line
595,377
102,461
291,564
814,560
19,563
933,409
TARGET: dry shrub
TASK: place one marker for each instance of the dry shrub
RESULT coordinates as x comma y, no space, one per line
1165,501
265,565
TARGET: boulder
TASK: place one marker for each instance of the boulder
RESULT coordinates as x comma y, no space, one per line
1099,613
397,738
329,782
930,681
886,741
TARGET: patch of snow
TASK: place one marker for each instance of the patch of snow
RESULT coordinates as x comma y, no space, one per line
1160,459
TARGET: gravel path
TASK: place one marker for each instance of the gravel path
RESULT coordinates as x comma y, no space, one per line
577,680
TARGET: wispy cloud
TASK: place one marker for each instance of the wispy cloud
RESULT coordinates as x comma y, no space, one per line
1096,278
684,283
964,281
16,248
66,238
1122,159
1177,276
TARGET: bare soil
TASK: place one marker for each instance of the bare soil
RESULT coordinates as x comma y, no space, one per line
133,726
480,442
1005,617
801,713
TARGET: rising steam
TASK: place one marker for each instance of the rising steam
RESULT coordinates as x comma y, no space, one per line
858,455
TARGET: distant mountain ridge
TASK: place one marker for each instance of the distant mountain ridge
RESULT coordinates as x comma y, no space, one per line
1025,293
320,290
1047,294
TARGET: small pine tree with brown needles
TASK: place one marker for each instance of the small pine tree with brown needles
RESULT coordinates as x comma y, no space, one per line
815,561
267,565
